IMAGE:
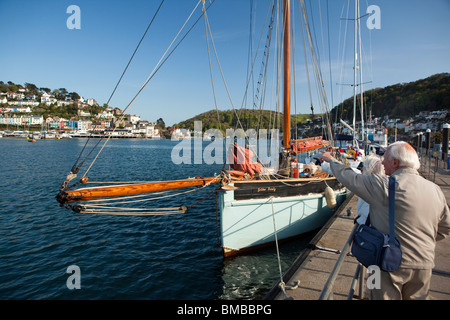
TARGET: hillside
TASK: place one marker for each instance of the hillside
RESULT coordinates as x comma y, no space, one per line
402,100
396,101
249,119
45,101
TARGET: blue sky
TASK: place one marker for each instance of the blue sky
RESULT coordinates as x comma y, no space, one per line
37,47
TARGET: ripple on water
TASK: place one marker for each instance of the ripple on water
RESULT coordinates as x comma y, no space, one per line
160,257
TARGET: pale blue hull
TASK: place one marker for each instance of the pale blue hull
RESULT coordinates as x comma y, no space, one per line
250,223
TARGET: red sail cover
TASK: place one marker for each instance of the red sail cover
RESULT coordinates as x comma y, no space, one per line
308,144
244,161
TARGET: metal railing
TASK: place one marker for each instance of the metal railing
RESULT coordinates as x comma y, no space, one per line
327,291
430,162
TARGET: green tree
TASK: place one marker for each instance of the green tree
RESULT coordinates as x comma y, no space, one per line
160,123
31,87
63,93
74,96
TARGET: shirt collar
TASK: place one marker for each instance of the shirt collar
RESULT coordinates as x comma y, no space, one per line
405,170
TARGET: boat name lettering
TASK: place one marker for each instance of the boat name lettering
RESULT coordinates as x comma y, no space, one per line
273,189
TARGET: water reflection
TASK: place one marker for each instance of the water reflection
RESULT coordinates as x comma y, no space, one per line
251,276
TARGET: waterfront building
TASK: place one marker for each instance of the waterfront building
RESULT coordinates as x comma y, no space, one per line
83,125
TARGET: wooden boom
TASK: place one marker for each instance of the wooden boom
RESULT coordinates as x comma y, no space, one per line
87,194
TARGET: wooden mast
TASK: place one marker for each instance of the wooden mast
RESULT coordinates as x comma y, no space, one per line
287,75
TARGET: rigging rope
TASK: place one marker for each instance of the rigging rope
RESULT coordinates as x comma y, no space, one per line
342,58
264,62
141,196
163,59
132,56
221,72
158,66
263,67
155,212
282,284
143,86
329,57
210,67
319,80
76,168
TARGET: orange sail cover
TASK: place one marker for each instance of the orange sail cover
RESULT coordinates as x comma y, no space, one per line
303,145
242,160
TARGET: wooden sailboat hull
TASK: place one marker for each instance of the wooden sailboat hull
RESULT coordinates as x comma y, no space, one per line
247,214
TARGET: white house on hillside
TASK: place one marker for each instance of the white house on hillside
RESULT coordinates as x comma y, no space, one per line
47,99
105,115
91,102
83,113
134,119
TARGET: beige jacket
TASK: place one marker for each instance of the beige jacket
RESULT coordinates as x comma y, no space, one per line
421,212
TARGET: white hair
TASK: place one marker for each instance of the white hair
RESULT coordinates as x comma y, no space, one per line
372,165
404,153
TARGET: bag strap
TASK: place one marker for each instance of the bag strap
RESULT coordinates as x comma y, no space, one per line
391,209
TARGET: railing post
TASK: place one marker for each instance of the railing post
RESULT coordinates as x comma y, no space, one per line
328,287
361,282
352,287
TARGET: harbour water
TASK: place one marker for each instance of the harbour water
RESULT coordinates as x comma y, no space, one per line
120,257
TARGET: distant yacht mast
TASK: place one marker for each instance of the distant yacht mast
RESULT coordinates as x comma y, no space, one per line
356,66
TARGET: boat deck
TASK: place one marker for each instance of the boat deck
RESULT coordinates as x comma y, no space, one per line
315,264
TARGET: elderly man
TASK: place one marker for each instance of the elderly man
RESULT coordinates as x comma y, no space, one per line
421,217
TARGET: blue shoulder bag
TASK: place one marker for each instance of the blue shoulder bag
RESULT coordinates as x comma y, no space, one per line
371,247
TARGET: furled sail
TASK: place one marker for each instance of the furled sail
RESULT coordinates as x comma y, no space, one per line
244,161
308,144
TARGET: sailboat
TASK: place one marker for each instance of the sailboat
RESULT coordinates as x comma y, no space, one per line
257,206
368,138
